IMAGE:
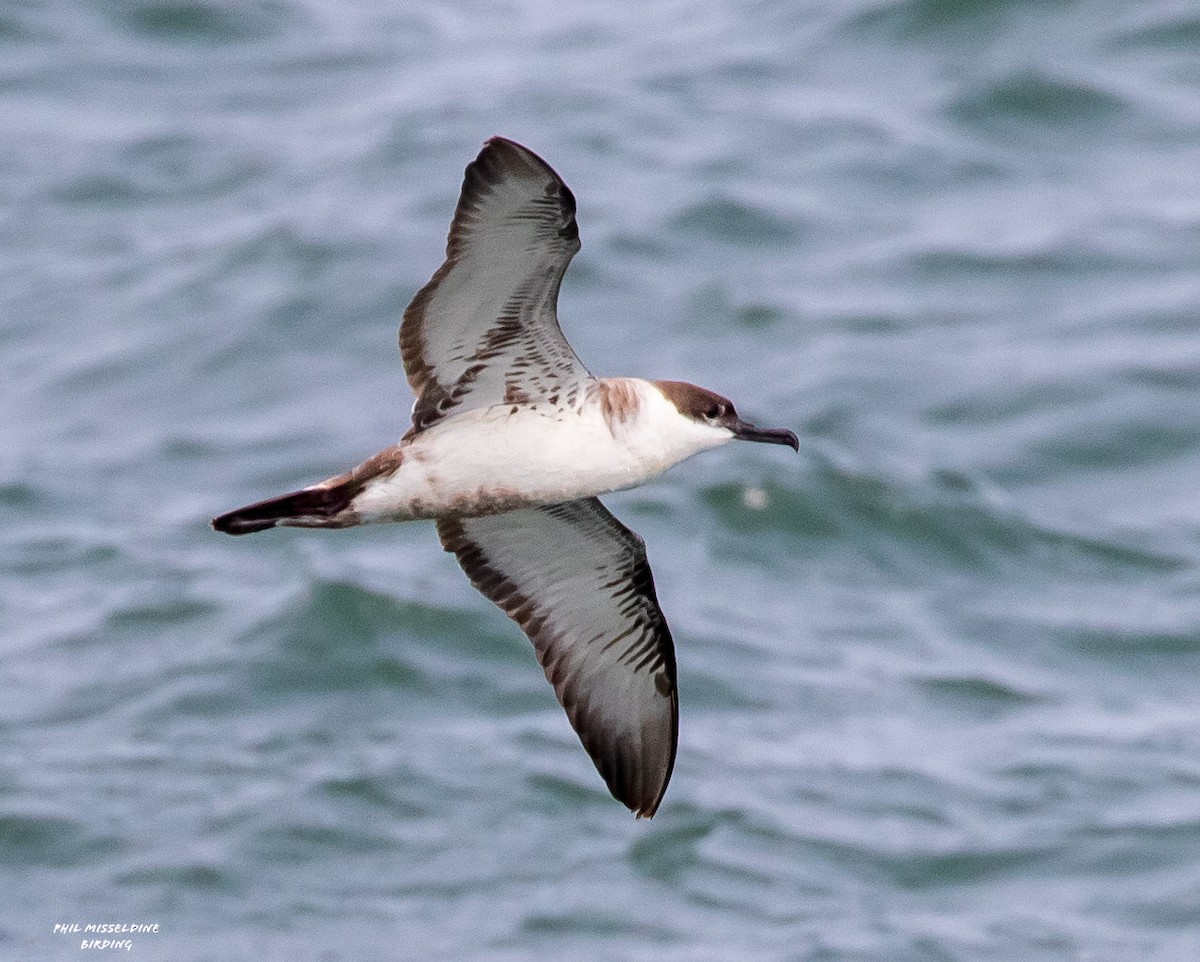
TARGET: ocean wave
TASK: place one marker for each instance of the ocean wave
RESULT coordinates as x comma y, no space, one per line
946,518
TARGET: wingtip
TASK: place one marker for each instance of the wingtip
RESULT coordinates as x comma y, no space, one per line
498,143
650,809
497,140
641,804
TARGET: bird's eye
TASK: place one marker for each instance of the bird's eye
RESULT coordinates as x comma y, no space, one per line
714,412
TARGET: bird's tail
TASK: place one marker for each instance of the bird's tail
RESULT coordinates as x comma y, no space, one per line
317,507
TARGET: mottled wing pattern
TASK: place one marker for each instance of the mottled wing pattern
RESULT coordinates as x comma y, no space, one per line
484,330
577,582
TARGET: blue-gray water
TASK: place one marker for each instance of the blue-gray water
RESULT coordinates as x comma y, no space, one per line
940,673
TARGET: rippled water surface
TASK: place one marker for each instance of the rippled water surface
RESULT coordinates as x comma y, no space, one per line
940,673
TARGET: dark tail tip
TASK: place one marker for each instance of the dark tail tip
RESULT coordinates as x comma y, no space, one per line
235,522
314,505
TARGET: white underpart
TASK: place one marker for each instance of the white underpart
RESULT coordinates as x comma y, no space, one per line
496,458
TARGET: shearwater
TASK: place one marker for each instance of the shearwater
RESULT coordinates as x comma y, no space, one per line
511,442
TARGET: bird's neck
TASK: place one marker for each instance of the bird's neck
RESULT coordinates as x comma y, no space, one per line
640,416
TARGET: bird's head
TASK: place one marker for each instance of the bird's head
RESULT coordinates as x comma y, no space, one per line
709,408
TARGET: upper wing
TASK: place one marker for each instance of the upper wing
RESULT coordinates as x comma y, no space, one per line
577,582
484,330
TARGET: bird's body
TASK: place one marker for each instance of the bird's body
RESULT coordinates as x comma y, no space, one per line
512,441
506,456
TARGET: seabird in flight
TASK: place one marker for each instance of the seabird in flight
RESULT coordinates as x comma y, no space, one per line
512,441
